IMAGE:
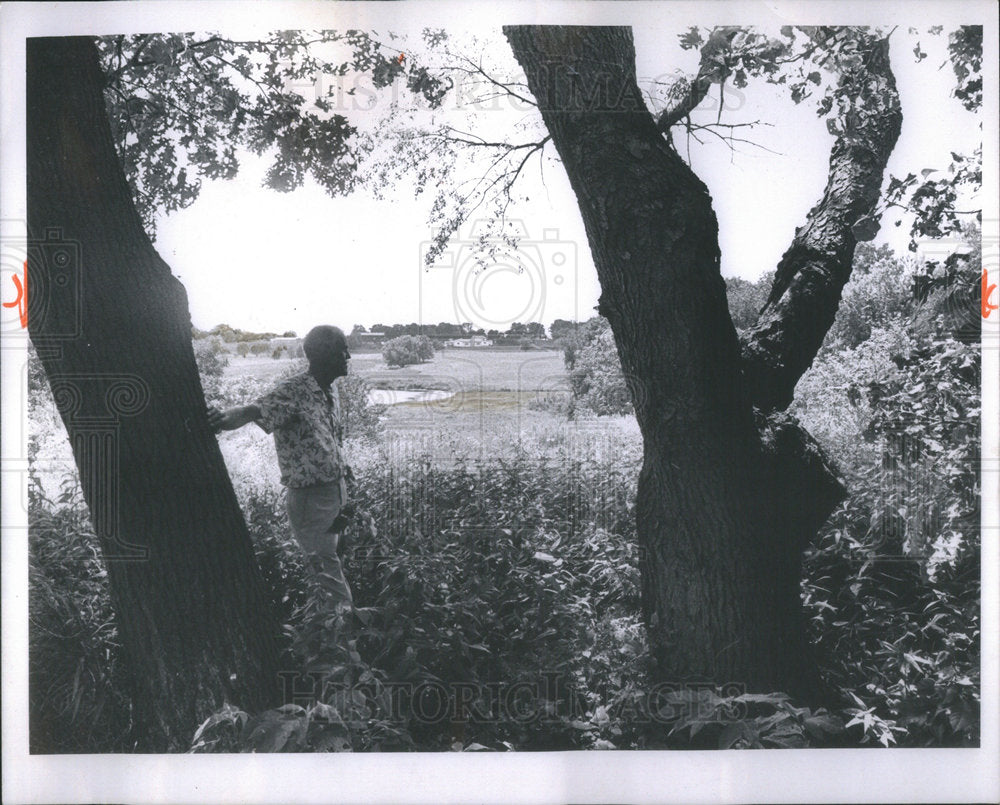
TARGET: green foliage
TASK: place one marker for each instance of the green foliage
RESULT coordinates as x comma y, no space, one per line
965,49
928,417
947,292
877,295
595,374
749,720
802,58
933,199
407,349
746,299
235,334
562,328
212,359
78,685
830,399
893,583
171,134
903,649
362,417
596,377
521,582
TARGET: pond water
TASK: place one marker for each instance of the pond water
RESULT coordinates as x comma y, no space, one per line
392,396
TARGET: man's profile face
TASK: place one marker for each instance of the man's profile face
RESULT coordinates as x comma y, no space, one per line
331,359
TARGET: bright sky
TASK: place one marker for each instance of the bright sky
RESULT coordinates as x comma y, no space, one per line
260,260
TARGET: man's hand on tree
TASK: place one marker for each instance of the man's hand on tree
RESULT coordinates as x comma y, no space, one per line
233,418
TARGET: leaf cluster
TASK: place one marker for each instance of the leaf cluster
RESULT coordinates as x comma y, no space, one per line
181,105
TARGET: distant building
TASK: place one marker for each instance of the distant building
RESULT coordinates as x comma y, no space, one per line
473,341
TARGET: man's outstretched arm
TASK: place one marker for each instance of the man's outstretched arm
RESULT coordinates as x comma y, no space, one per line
233,418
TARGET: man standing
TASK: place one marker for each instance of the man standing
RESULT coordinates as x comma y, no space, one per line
305,418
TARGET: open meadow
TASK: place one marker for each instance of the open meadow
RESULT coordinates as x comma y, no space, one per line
452,369
502,404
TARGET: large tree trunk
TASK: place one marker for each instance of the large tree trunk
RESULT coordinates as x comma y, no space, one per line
705,559
725,502
112,328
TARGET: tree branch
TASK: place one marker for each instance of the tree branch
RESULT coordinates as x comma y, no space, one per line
813,271
709,72
477,69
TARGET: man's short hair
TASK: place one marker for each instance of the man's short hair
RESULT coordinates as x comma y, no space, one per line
325,335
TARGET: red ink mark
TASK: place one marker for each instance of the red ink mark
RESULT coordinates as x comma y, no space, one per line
21,303
401,58
987,292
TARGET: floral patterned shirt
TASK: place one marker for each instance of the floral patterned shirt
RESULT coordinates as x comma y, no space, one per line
308,430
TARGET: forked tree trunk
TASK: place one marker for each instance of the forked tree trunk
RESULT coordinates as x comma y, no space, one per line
726,497
705,558
814,269
112,328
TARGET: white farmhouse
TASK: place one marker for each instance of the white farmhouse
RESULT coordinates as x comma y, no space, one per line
472,341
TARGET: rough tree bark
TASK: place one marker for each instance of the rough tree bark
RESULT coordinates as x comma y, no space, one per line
814,270
111,326
727,495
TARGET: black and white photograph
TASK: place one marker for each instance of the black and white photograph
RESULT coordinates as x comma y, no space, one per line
424,401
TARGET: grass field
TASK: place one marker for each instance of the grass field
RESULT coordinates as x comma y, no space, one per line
491,414
454,370
492,390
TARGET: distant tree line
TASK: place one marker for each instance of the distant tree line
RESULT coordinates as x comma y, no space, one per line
231,335
513,335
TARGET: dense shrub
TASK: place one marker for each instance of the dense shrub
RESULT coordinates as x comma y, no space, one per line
362,417
877,295
212,360
595,373
893,583
77,685
596,378
407,349
832,402
949,290
470,580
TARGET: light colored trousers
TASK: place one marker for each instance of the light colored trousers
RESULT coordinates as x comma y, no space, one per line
311,512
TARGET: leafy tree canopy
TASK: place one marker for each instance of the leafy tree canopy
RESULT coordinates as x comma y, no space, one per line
171,133
266,97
